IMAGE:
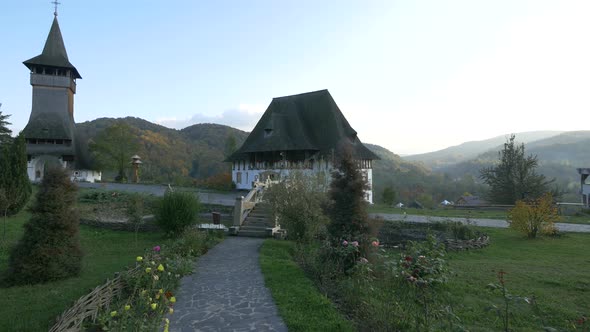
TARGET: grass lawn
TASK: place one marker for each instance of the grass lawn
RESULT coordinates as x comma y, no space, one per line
34,308
461,213
555,270
302,307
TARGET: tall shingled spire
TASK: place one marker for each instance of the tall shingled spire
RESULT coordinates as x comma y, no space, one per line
54,53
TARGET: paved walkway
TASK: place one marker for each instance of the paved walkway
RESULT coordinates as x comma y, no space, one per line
496,223
226,292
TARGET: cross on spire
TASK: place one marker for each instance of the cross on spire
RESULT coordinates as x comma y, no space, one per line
55,3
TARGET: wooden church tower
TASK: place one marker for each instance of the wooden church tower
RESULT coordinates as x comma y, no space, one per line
51,130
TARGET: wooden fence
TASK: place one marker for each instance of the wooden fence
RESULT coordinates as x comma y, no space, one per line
89,305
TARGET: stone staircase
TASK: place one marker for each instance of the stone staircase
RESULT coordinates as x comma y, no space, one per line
258,223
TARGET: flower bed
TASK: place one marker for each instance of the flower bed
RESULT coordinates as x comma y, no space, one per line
141,297
455,235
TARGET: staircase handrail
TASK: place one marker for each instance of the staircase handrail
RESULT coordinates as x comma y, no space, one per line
244,205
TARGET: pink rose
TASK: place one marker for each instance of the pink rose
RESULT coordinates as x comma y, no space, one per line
355,243
345,243
157,248
375,243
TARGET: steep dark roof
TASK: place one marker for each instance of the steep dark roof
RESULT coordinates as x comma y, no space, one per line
50,126
308,121
54,53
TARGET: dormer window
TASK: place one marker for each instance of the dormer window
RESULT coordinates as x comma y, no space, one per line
267,132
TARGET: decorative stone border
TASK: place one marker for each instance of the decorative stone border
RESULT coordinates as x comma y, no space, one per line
477,243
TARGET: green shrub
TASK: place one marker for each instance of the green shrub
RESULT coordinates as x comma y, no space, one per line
461,231
297,204
192,243
177,211
50,246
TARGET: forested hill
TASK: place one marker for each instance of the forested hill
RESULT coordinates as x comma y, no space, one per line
469,150
413,181
558,157
171,155
197,152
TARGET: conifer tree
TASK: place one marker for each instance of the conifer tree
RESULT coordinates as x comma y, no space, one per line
50,246
4,131
348,208
514,177
15,187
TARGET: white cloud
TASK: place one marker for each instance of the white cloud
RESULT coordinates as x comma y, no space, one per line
243,117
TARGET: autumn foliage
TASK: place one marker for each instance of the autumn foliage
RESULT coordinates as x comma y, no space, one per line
534,216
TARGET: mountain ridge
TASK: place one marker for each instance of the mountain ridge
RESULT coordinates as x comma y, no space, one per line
471,149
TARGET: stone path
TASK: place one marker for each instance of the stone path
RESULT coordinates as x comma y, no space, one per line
496,223
226,292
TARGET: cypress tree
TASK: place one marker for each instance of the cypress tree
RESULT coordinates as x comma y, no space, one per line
50,246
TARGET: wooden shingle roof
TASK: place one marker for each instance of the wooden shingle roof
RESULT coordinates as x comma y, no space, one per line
54,53
310,121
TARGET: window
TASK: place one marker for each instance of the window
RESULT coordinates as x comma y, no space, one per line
239,177
267,132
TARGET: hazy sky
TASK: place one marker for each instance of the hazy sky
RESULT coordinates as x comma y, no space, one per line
412,76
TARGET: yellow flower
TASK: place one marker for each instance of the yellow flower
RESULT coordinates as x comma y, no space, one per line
113,313
154,306
171,311
143,292
157,296
127,307
139,258
148,269
160,267
161,291
153,263
172,299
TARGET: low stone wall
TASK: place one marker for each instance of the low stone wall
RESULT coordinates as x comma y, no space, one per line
120,225
458,245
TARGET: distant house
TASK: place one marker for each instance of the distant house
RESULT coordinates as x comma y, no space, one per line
299,132
584,188
471,201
